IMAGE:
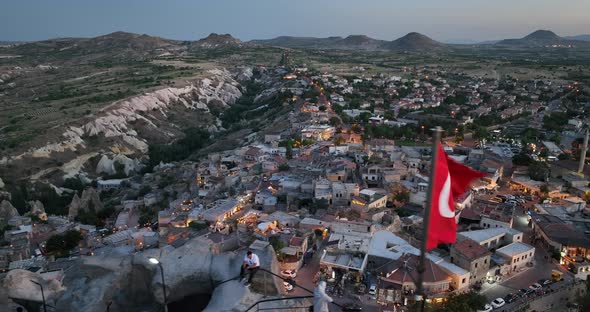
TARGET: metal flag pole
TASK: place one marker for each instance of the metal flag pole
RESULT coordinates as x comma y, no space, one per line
420,296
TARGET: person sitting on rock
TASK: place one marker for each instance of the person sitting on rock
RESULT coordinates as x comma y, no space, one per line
250,264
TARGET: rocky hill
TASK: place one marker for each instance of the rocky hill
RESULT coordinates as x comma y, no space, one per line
218,41
413,42
114,45
542,38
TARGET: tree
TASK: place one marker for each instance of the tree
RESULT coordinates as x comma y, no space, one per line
544,188
339,140
466,302
61,244
538,171
335,121
521,159
402,196
276,243
284,167
289,152
543,153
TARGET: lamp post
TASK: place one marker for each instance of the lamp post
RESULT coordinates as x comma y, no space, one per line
42,295
156,261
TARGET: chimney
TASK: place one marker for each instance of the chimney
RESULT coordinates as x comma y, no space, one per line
583,153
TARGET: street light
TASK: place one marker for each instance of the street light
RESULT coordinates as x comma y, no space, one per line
153,260
42,295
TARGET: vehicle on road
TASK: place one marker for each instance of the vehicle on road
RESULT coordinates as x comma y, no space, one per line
535,286
525,292
498,302
510,298
487,308
545,282
373,290
556,275
289,273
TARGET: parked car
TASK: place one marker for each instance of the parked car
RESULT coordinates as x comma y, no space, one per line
535,286
289,273
545,282
498,302
373,290
487,308
509,298
525,292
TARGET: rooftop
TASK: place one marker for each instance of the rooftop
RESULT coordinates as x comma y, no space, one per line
471,249
515,249
483,235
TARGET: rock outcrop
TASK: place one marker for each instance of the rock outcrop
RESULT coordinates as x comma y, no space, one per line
7,211
37,209
20,286
1,184
90,201
108,166
74,207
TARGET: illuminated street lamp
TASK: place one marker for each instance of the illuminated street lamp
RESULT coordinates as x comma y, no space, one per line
156,261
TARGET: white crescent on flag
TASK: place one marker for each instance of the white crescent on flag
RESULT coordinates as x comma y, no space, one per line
443,199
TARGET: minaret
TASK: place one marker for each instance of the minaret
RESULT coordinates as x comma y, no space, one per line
583,153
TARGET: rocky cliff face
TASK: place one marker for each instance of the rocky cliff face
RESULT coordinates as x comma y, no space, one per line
127,127
7,210
38,209
129,282
90,201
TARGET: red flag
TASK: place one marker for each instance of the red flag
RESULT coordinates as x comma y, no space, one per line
451,180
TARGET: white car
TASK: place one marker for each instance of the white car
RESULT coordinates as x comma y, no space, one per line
289,273
536,286
373,290
487,308
288,287
498,302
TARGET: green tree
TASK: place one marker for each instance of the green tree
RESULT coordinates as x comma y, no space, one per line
543,153
284,167
466,302
402,196
60,245
538,171
276,243
521,159
335,121
289,152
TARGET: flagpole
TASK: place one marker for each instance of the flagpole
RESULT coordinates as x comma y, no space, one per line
426,222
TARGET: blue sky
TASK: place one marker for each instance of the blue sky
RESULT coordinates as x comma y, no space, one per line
446,20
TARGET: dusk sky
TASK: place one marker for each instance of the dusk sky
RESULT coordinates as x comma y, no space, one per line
445,20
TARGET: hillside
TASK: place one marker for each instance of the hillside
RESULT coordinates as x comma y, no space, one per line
352,42
542,38
413,42
118,45
218,41
579,37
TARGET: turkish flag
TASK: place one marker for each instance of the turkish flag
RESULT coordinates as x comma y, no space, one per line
451,180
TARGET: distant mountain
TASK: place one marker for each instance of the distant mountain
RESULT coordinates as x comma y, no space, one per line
411,41
579,37
218,41
118,44
541,38
349,43
414,41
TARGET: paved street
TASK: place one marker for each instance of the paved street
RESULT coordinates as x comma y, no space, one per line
541,269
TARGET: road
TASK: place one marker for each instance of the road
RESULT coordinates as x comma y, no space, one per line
541,269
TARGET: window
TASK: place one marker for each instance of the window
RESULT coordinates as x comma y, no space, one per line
476,265
485,261
463,281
